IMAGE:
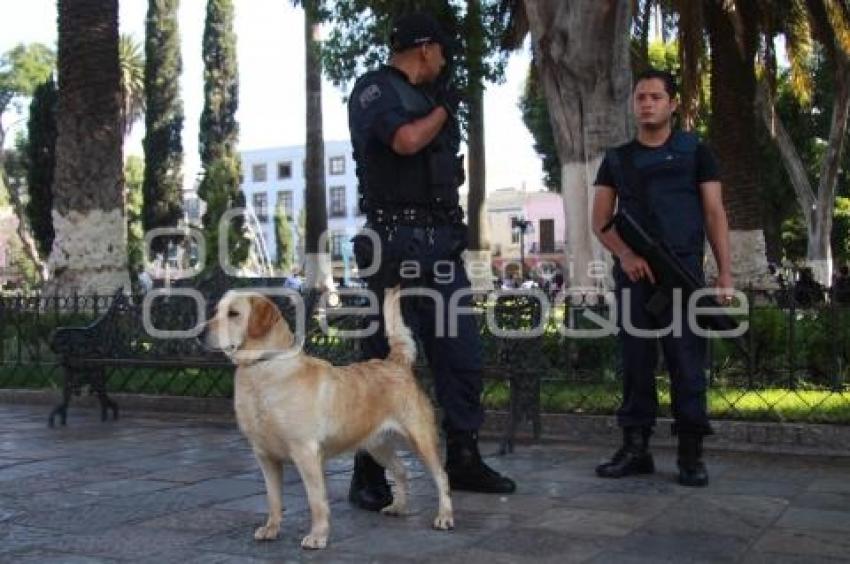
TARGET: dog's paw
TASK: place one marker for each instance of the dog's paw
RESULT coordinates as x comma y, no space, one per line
444,522
314,542
267,532
395,510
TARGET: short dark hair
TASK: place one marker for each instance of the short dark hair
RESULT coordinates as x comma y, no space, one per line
664,76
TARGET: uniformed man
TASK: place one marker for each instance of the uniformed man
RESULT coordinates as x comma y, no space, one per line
669,182
406,140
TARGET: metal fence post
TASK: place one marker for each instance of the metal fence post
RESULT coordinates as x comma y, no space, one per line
792,357
751,358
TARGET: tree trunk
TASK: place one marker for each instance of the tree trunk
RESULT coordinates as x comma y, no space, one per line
318,273
23,229
582,51
479,240
90,249
28,243
733,129
819,251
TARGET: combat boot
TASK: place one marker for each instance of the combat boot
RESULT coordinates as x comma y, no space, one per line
632,458
467,471
692,470
369,488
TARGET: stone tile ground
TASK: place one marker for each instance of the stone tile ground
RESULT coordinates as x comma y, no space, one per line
174,488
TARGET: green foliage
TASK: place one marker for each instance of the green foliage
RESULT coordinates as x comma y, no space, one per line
23,68
285,242
40,164
220,190
359,37
841,230
132,64
219,132
15,165
163,174
133,177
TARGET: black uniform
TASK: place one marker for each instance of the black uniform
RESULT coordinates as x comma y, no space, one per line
659,186
412,203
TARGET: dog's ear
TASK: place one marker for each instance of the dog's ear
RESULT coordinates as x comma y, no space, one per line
264,315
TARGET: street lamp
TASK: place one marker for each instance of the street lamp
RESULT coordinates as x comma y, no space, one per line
521,225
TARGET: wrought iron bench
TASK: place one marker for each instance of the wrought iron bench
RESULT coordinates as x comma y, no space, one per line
119,339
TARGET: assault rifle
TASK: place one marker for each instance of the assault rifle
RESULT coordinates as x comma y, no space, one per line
670,272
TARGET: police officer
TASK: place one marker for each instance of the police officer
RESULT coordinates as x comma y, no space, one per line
406,140
668,181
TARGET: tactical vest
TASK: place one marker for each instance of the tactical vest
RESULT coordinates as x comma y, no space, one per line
428,178
666,201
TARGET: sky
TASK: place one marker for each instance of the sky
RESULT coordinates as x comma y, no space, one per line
271,84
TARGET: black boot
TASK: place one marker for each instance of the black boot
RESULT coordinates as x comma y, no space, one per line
632,458
369,488
692,471
467,471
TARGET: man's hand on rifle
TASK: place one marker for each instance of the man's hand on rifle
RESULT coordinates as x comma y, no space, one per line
635,267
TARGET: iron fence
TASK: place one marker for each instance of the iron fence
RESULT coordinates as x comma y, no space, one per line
797,369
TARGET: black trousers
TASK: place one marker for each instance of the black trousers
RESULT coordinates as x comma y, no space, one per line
427,261
685,356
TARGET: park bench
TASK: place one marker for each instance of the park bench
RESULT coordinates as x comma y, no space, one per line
119,339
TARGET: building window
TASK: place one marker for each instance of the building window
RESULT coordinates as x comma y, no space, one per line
337,205
260,202
258,173
337,165
192,208
284,203
514,230
284,171
337,241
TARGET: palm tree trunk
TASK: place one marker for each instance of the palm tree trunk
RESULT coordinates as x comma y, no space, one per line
582,51
733,128
90,249
479,241
317,259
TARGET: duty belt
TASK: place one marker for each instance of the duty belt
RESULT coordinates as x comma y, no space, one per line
415,215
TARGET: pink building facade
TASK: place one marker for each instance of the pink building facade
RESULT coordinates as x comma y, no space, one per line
544,240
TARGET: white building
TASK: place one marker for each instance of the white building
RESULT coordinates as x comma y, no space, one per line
274,179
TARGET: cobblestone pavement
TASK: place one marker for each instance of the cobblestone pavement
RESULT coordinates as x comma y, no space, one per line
173,488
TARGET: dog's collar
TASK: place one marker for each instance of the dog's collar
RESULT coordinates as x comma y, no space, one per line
265,357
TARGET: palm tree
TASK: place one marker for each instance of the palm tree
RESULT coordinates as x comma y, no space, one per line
317,260
132,63
479,242
90,249
734,34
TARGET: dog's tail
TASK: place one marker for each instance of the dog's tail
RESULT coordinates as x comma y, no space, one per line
402,345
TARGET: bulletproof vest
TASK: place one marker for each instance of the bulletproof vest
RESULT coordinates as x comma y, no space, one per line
428,178
666,200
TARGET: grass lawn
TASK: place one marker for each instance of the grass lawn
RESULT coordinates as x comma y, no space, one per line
766,404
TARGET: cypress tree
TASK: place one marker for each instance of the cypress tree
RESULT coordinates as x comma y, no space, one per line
285,242
219,132
133,180
41,162
163,176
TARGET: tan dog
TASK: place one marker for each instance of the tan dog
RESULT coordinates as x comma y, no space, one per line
292,406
